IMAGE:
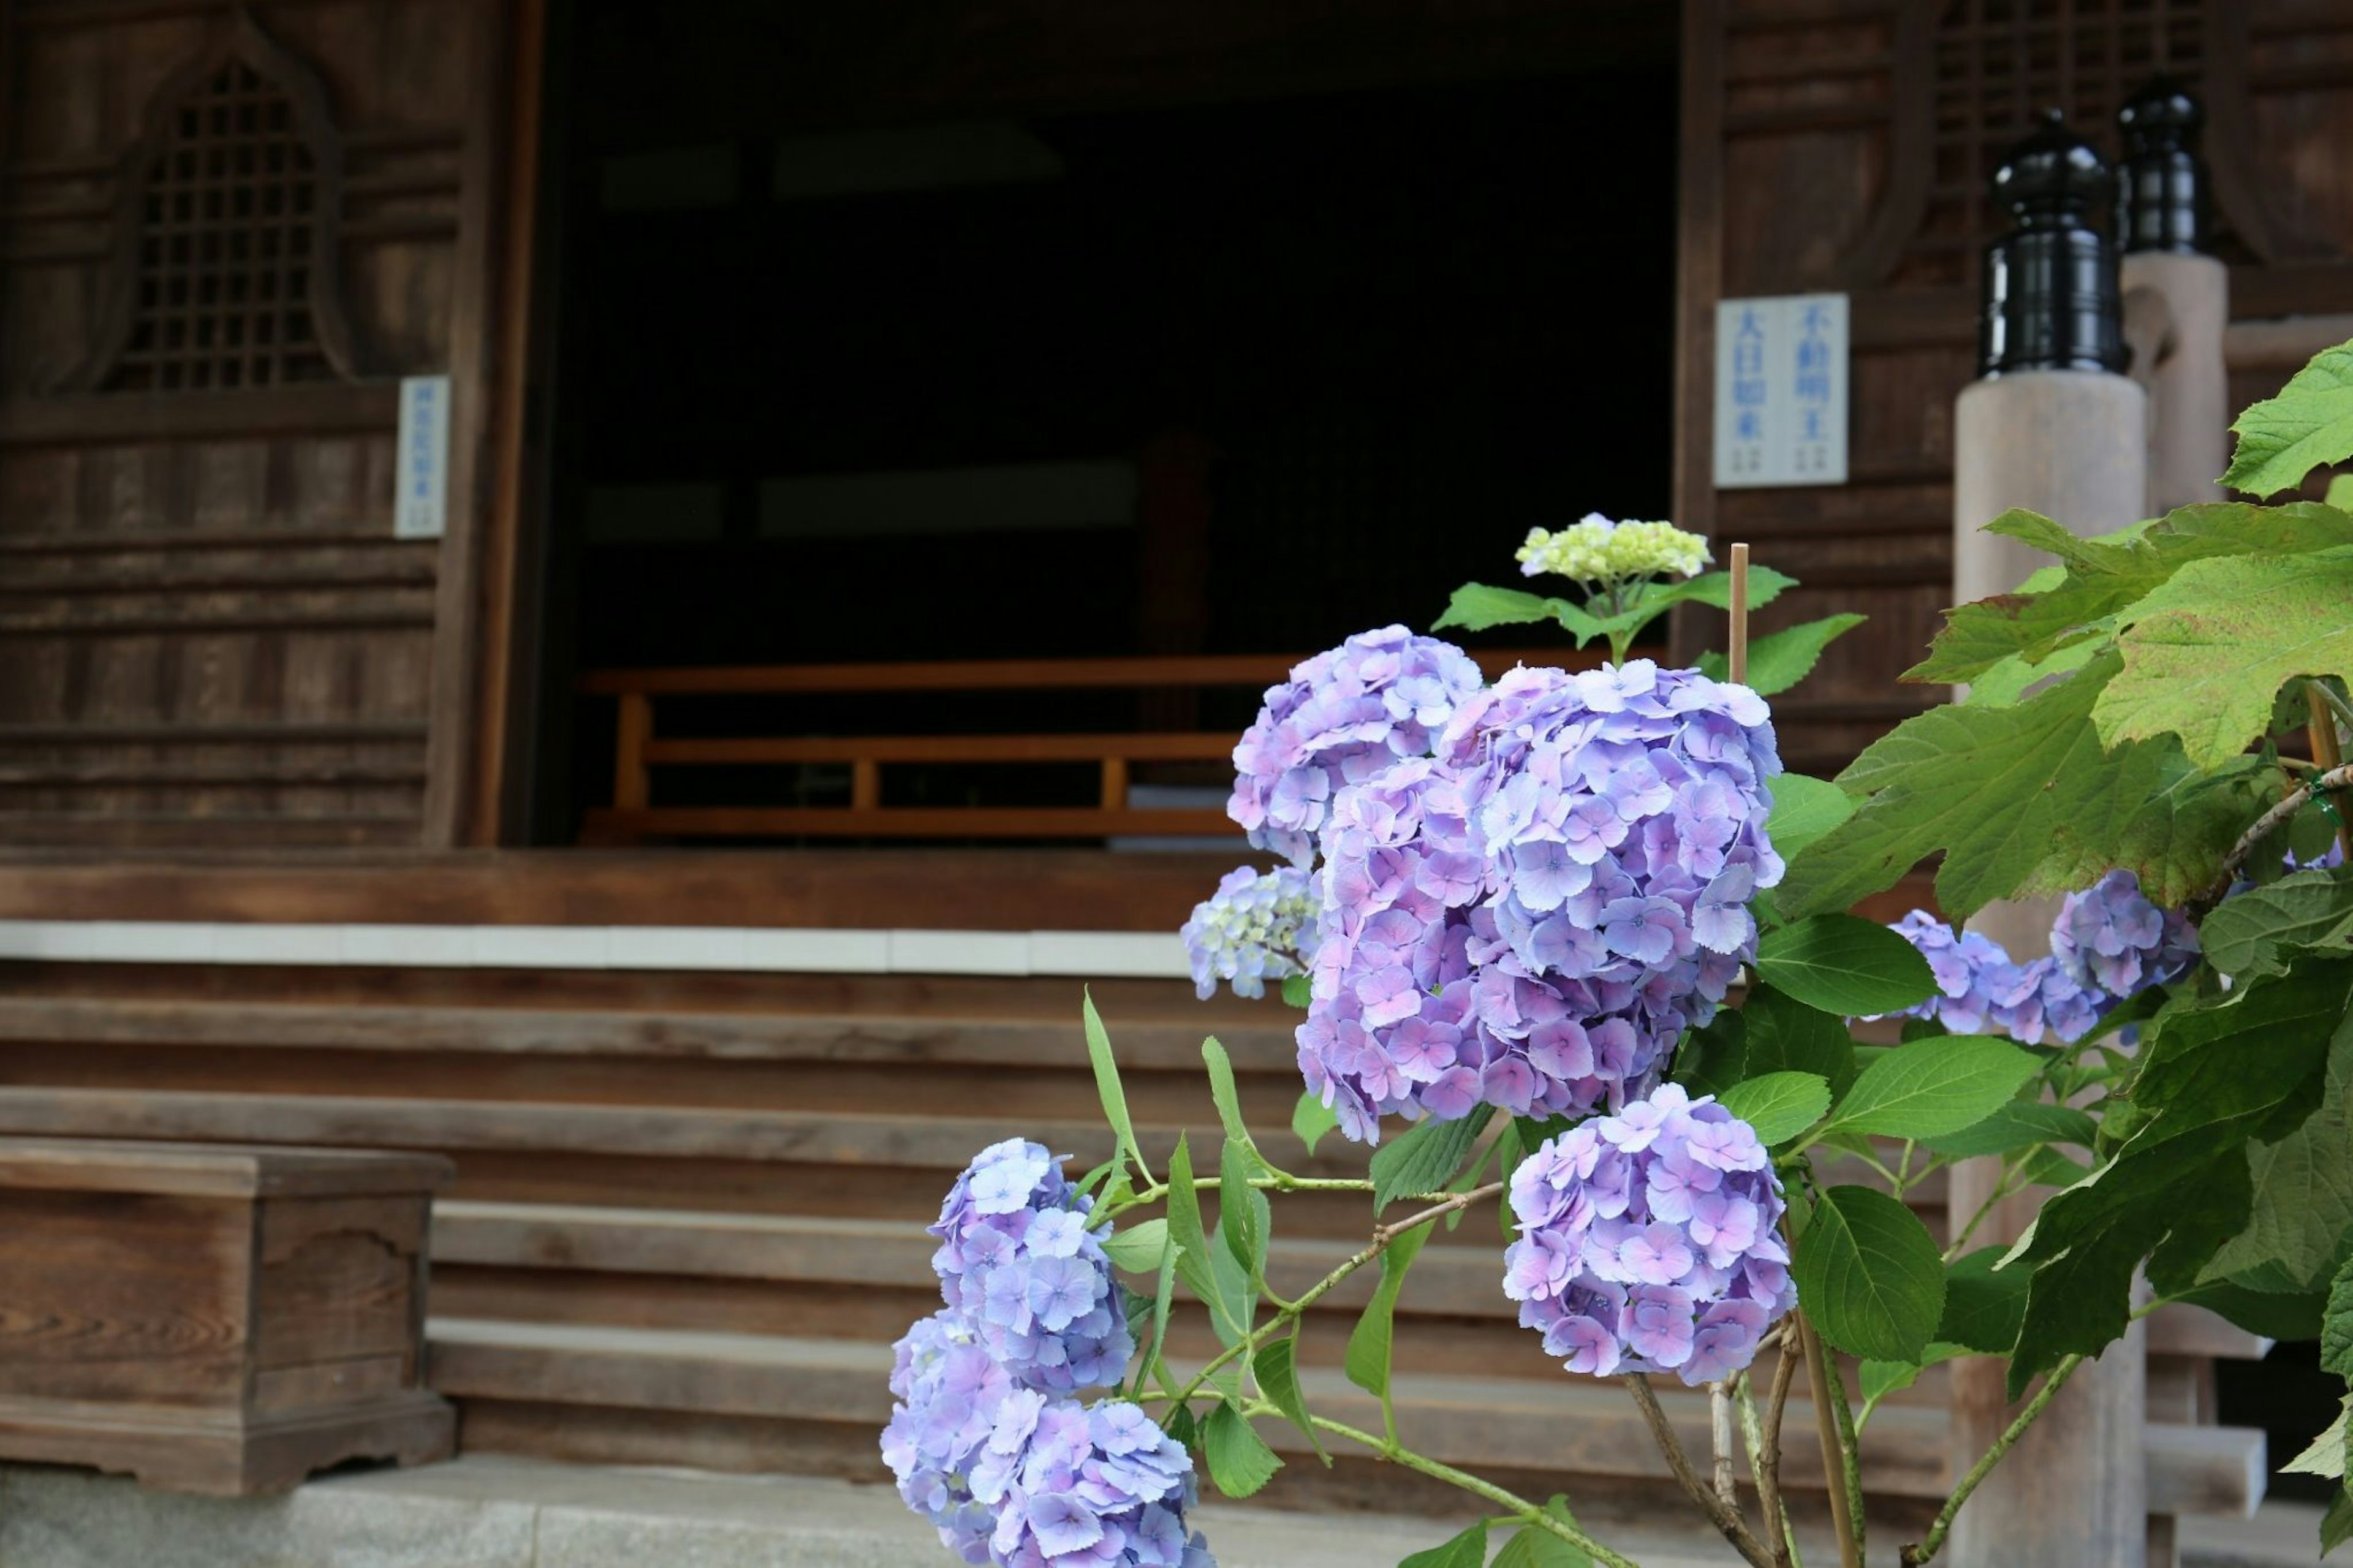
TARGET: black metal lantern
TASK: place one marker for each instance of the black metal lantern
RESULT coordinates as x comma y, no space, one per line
2051,298
2161,184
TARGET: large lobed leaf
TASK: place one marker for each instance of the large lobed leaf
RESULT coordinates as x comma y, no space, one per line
2206,652
2215,1071
2309,426
2101,578
2024,800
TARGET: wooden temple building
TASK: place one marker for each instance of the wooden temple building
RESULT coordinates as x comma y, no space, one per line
636,596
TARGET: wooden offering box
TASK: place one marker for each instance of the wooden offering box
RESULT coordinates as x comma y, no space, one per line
212,1318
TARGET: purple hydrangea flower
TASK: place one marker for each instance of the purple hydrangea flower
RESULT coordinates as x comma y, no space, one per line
1251,930
1029,1279
1073,1487
948,1390
1532,918
1980,989
1649,1241
1342,717
2112,939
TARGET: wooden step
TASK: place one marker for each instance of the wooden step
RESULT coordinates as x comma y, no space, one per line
1451,1278
1034,1041
1578,1427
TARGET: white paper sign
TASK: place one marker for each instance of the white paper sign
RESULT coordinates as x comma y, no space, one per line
1781,391
421,495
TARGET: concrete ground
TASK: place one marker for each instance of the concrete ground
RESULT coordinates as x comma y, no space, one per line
491,1513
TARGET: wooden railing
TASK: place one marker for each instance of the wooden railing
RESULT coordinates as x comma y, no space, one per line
641,748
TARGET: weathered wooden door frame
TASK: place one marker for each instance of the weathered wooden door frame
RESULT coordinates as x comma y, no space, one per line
477,724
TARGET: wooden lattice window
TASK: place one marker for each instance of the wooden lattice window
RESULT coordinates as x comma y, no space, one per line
2000,63
224,267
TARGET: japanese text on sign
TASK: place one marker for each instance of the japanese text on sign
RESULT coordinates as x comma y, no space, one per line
1781,391
420,497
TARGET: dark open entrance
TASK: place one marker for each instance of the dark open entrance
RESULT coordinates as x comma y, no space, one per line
1215,365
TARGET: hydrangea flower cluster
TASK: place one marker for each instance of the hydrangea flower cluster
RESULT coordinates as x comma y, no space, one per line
1981,989
1596,550
1079,1488
1533,917
1251,930
1342,717
2111,938
1650,1242
1016,1258
1011,1475
983,1439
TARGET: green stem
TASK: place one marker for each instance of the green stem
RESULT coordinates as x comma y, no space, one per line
1520,1509
1914,1556
2001,1189
1288,1312
1277,1183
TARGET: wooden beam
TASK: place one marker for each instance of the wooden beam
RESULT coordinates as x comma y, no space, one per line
322,408
1207,746
615,825
460,615
999,890
1006,674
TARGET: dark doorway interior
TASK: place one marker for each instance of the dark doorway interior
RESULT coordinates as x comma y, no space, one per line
1211,377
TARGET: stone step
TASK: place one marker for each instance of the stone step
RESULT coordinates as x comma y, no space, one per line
492,1512
488,1511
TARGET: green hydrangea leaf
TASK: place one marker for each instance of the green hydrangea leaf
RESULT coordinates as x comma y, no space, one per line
1476,607
1882,1378
1783,1035
2019,1125
1138,1247
1468,1550
1536,1548
1844,965
1278,1375
1311,1119
1778,1105
1715,588
1870,1275
1425,1156
2206,652
1934,1088
1239,1461
2248,934
2309,426
1372,1340
1779,660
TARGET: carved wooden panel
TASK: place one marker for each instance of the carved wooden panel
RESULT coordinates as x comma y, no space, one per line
1847,146
225,246
225,232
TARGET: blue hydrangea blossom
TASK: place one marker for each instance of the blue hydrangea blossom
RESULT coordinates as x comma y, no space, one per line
1531,917
1650,1242
1073,1487
1251,930
1342,717
1017,1260
2110,938
948,1391
1980,989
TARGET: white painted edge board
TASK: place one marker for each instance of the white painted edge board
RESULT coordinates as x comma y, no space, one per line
736,949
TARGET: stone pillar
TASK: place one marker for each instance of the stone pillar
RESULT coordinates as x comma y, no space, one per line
2055,428
2188,389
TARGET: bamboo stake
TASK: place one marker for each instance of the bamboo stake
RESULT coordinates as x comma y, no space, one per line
2326,753
1735,655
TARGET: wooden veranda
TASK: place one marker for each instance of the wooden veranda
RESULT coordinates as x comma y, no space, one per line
293,838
